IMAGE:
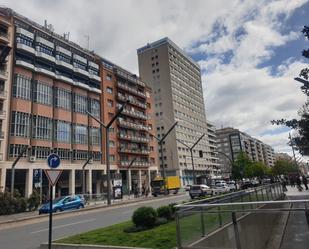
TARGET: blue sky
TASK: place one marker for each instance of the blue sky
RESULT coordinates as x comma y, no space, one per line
249,51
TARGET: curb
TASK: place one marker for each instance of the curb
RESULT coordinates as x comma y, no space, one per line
89,208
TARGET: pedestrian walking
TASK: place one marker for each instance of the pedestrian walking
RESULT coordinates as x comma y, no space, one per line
305,181
284,185
298,183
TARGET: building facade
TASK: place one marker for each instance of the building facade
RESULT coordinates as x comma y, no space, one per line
47,86
231,141
178,96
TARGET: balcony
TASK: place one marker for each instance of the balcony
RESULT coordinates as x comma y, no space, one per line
127,124
134,114
94,77
44,71
25,48
135,164
132,101
3,74
65,79
4,37
45,56
134,138
130,89
96,90
81,71
64,64
2,114
82,85
25,64
134,151
3,94
1,135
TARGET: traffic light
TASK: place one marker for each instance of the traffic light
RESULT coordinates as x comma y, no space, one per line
200,153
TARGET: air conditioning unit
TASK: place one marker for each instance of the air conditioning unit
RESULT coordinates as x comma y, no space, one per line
32,158
91,161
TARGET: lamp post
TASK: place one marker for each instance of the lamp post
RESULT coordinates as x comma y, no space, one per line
191,152
160,142
21,153
107,127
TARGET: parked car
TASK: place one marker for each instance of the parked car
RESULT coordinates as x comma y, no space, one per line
246,184
199,191
255,183
187,187
63,204
221,188
231,185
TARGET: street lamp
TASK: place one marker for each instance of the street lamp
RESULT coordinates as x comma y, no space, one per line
160,142
107,127
191,151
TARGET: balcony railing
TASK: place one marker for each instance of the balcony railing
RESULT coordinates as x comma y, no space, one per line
3,74
134,138
134,151
1,135
134,114
135,164
132,101
2,114
4,35
134,126
3,94
130,89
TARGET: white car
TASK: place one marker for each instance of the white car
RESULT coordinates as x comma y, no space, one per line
221,188
199,191
231,185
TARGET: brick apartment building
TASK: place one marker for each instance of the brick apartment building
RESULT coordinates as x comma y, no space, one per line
47,86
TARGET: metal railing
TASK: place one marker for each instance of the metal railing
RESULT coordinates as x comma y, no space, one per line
223,221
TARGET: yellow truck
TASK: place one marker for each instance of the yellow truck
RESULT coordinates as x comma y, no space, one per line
172,184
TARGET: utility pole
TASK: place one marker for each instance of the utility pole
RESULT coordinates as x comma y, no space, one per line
107,127
160,142
191,152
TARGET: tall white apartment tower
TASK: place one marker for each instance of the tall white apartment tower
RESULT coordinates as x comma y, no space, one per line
178,96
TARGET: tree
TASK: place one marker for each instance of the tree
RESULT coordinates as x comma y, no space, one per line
242,166
259,169
283,167
300,139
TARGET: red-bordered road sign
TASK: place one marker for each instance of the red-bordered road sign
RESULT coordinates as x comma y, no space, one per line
53,175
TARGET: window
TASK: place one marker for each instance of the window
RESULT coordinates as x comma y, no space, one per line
64,154
63,98
112,158
80,135
62,131
108,77
63,57
22,87
42,128
109,90
95,137
96,156
110,103
80,103
80,155
44,49
111,143
43,93
15,149
24,40
41,152
95,107
20,125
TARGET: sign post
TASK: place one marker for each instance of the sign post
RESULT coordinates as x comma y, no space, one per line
53,174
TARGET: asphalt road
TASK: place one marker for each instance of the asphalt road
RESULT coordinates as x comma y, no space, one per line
30,235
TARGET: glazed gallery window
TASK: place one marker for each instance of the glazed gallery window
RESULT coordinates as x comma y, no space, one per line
62,131
80,134
15,149
43,93
20,125
95,107
22,87
95,136
80,103
63,98
42,128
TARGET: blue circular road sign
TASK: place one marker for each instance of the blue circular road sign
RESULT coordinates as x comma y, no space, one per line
53,161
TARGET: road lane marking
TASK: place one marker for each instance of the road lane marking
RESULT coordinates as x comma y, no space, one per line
66,225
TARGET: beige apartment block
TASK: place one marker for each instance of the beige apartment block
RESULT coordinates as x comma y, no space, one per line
178,96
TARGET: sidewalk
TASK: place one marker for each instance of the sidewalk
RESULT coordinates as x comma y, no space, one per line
297,230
